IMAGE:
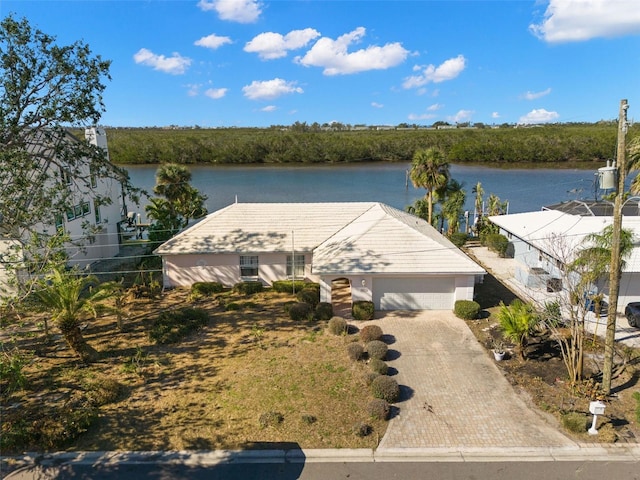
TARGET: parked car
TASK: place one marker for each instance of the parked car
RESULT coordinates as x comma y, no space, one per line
632,312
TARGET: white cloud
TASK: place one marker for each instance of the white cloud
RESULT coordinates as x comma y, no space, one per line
421,116
193,89
462,116
448,70
579,20
538,116
215,93
241,11
270,89
269,108
175,65
270,45
434,107
495,115
334,57
536,95
377,105
212,41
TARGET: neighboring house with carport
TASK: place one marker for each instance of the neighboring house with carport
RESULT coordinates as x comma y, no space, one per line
543,242
389,257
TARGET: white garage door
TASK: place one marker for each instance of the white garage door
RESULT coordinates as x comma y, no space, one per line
413,293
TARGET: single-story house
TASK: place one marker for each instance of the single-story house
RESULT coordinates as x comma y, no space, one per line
389,257
543,242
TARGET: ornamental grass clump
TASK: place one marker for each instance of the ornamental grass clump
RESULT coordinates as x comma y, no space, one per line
355,351
369,377
376,349
369,333
379,409
270,419
385,388
337,326
362,429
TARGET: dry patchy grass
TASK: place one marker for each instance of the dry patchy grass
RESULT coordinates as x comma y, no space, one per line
207,391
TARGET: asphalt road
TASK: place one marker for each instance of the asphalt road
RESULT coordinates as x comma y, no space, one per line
532,470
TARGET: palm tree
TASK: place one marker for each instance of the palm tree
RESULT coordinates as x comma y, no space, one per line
452,207
419,208
634,164
429,170
71,297
478,204
517,322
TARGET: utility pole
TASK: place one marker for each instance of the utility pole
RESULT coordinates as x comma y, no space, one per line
614,269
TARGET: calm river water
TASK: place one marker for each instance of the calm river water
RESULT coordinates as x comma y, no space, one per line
525,190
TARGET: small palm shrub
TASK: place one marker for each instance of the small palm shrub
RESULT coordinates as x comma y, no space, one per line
378,366
206,289
300,311
248,288
379,409
370,332
466,309
362,310
11,376
324,311
385,388
337,326
287,286
376,349
517,321
355,351
309,295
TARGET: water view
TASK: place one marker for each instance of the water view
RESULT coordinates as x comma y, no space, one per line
525,190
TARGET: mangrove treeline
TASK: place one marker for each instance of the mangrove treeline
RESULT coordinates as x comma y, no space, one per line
564,144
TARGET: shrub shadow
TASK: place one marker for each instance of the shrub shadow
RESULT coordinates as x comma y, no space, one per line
392,355
406,393
388,339
393,411
391,372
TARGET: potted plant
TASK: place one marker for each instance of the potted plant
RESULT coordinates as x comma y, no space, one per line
498,350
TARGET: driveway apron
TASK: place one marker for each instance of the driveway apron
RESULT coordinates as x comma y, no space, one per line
452,393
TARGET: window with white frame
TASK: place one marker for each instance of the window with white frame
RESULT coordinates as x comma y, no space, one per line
299,266
248,265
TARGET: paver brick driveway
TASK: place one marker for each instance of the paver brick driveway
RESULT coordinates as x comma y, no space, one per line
457,397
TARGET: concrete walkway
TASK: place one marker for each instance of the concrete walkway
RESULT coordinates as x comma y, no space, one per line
453,395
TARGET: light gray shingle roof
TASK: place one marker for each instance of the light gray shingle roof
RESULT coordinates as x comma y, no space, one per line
358,237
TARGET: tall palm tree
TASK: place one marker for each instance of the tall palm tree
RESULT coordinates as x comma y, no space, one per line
429,170
479,200
453,207
633,164
71,297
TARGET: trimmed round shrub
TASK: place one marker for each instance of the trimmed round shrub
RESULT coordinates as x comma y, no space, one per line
309,295
378,366
370,332
376,349
270,419
466,309
206,289
459,238
361,429
385,388
287,306
286,286
575,422
370,377
300,311
324,311
379,409
248,288
362,310
337,326
355,351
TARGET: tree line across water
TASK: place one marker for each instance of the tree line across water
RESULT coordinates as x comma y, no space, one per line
561,144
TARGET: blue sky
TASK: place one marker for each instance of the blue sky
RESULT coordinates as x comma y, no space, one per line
224,63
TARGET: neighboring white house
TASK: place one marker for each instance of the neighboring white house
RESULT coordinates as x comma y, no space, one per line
390,257
102,219
542,242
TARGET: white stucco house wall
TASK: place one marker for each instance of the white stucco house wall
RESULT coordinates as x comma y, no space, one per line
542,242
390,257
103,219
